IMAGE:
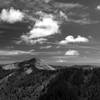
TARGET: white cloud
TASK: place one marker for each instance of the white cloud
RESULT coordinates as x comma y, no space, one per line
63,15
40,40
45,47
83,21
60,60
44,27
72,53
83,18
68,5
31,41
47,1
98,7
71,39
12,15
13,52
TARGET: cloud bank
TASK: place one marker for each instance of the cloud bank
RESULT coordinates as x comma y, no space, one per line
68,5
43,27
11,16
13,52
72,53
31,41
71,39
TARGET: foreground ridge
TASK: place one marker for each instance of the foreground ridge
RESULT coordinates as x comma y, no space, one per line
33,79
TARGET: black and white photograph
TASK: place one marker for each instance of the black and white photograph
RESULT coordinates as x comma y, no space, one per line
49,49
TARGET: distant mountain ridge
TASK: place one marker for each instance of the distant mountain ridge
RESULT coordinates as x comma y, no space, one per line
36,62
33,79
32,75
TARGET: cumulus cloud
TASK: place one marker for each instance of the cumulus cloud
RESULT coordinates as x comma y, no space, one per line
44,27
72,53
13,52
98,7
12,15
45,47
71,39
31,41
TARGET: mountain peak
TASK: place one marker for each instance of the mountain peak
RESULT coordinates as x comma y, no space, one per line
34,63
39,64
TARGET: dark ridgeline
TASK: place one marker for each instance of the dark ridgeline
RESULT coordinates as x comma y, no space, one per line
67,83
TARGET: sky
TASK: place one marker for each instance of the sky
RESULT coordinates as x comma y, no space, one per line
57,31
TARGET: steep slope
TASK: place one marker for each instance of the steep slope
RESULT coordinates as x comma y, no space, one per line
75,83
25,80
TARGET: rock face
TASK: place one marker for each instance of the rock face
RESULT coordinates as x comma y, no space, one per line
31,80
